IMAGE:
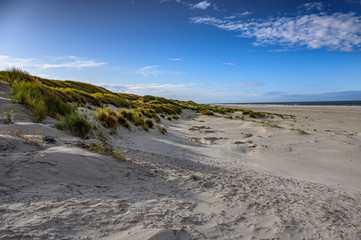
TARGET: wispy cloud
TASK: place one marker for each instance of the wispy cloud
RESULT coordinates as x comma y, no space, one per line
338,31
229,63
312,6
150,71
56,62
179,91
243,84
7,61
174,59
202,5
154,71
74,63
235,15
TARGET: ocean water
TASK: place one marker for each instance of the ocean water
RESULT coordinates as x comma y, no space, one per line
315,103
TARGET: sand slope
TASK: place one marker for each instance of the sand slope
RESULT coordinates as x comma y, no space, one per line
207,178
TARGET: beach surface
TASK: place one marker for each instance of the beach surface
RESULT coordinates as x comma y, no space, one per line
209,177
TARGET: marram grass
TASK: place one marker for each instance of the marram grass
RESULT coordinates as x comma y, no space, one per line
57,99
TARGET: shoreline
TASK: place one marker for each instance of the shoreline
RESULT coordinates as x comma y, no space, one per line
285,105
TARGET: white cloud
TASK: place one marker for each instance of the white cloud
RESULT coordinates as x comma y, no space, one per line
229,63
312,6
154,71
202,5
174,59
74,62
150,71
183,91
6,61
243,14
338,31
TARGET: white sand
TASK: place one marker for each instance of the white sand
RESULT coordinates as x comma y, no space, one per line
207,178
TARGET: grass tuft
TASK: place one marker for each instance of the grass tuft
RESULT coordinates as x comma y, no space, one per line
108,118
206,112
107,150
35,138
175,117
7,116
78,125
162,129
149,123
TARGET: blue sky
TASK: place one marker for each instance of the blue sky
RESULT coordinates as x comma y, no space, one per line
206,51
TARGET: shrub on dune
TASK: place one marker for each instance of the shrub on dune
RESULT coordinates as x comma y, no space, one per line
206,112
78,125
149,123
108,118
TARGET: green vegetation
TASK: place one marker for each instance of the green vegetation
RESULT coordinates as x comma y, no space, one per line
108,118
206,112
28,90
162,129
274,125
149,123
7,116
107,150
229,117
61,99
78,125
301,131
175,117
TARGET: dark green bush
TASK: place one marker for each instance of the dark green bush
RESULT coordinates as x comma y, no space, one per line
149,123
206,112
78,125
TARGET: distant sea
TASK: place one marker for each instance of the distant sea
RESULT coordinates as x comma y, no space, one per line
316,103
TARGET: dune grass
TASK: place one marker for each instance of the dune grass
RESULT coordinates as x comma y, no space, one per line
61,99
107,150
28,90
162,129
78,125
108,118
7,116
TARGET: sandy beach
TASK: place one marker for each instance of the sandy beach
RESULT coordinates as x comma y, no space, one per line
209,177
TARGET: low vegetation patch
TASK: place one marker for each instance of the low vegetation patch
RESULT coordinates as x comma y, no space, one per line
7,116
162,129
108,118
34,138
62,99
301,131
206,112
78,125
107,150
175,117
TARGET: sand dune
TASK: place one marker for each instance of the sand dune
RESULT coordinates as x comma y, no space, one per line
207,178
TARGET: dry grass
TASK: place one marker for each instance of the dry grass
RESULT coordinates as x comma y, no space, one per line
33,138
107,150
